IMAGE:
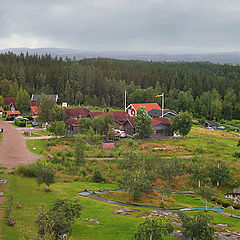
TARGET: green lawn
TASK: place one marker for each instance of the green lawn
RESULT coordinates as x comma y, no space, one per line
30,196
39,144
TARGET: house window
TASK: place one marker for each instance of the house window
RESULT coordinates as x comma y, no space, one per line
159,131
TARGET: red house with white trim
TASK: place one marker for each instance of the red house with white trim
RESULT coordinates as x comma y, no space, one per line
132,108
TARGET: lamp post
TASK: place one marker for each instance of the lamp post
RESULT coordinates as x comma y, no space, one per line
35,154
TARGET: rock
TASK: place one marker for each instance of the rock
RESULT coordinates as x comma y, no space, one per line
92,220
10,222
119,212
130,210
19,205
237,233
222,237
223,225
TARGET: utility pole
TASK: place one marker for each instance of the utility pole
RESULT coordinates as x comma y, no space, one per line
162,95
125,100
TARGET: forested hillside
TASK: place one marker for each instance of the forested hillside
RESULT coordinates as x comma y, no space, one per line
207,90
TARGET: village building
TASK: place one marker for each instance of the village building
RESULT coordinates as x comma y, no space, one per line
12,113
132,108
156,113
121,121
34,111
161,128
76,113
211,124
35,97
10,102
72,125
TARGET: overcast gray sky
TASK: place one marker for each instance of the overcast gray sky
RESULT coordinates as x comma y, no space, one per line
131,25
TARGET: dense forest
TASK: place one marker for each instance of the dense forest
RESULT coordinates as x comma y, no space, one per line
207,90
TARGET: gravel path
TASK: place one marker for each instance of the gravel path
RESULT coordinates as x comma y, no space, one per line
13,149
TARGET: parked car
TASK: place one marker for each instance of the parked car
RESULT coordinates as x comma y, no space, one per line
221,128
20,118
120,133
34,124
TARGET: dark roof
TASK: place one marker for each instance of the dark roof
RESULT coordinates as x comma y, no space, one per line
9,100
77,112
211,123
71,121
36,96
158,113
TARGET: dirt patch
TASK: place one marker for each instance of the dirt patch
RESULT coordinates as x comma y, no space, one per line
59,147
164,147
13,147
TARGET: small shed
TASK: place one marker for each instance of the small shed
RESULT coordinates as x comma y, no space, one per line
211,124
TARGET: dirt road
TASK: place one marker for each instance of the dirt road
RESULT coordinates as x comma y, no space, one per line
13,149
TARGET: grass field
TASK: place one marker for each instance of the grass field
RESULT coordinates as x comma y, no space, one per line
30,196
211,146
26,192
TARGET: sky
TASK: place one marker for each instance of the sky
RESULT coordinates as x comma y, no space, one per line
122,25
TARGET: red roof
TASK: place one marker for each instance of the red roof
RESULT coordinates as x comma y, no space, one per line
148,106
34,109
77,112
120,116
15,112
9,100
95,114
160,120
71,121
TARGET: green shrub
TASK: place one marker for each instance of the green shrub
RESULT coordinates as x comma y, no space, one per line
29,170
20,123
236,154
97,177
238,143
199,150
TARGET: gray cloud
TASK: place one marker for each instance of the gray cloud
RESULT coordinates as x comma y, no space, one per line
145,25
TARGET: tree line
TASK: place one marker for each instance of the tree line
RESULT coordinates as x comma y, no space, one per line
207,90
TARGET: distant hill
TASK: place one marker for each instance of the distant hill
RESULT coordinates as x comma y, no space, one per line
221,57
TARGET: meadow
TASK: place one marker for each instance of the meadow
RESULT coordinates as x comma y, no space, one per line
211,146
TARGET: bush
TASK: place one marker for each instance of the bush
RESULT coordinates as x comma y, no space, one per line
9,118
29,170
238,145
236,154
199,150
20,123
97,177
